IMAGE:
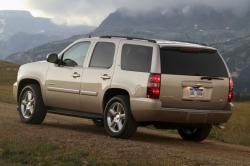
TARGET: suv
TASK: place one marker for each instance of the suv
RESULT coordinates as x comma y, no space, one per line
123,82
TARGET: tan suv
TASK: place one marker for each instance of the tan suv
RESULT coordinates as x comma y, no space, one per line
125,82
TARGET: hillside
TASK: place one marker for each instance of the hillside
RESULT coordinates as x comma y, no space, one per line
40,52
236,52
8,75
20,31
198,23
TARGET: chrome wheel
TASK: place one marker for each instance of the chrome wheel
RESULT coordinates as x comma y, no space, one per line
116,117
28,104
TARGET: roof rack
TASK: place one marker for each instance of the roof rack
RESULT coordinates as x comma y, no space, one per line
130,38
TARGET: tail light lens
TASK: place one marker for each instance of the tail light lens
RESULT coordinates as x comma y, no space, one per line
230,93
153,89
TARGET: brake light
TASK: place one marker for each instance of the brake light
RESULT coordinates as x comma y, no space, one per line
153,89
230,93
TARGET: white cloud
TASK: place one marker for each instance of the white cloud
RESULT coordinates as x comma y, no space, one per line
92,12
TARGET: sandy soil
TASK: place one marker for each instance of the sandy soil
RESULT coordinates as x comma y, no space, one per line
147,147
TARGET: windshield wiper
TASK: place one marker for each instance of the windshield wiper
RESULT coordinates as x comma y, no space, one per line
211,78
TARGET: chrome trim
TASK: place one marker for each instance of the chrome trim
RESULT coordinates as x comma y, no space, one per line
88,93
73,91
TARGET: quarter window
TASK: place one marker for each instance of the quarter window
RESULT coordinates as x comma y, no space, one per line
136,58
103,55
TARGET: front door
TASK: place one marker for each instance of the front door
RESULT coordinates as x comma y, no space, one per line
63,81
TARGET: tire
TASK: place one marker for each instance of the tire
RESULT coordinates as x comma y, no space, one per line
118,119
195,134
98,122
31,97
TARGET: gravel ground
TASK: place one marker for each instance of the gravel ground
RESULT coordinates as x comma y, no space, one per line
147,147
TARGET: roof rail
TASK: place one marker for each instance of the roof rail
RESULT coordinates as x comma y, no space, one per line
130,38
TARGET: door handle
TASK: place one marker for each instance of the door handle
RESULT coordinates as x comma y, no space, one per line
105,77
76,75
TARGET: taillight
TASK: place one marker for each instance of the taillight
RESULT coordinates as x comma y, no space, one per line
230,93
153,89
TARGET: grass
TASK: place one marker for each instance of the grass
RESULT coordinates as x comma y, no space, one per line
8,75
21,152
237,130
27,152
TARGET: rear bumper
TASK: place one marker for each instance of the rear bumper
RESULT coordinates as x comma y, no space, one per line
148,110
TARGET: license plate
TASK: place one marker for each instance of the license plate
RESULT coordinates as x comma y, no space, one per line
196,92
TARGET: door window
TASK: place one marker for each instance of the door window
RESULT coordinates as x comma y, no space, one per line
76,54
103,55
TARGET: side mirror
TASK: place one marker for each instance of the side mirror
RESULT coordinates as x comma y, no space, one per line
53,58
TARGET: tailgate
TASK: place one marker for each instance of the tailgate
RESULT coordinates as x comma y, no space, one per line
193,78
191,92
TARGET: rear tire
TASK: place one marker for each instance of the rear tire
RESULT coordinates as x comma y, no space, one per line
195,134
30,105
118,119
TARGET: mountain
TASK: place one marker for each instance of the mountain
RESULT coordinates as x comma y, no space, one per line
225,30
24,41
20,31
236,52
40,52
198,23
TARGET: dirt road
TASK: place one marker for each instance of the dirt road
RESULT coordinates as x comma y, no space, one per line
147,147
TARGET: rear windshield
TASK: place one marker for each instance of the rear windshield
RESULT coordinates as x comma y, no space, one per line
193,62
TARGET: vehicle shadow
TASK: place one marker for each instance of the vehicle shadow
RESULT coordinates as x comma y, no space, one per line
88,128
147,137
140,136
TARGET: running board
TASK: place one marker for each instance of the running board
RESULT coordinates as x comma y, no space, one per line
74,113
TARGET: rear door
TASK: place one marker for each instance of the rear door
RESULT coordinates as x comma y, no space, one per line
194,78
97,76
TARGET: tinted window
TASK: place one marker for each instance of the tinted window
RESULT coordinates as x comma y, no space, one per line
194,63
103,55
76,54
136,58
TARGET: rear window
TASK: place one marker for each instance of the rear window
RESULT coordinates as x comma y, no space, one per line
192,62
136,58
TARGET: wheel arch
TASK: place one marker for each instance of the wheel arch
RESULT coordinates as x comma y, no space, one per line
24,82
111,93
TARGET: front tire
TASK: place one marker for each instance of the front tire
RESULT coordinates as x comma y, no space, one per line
195,134
118,119
30,106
